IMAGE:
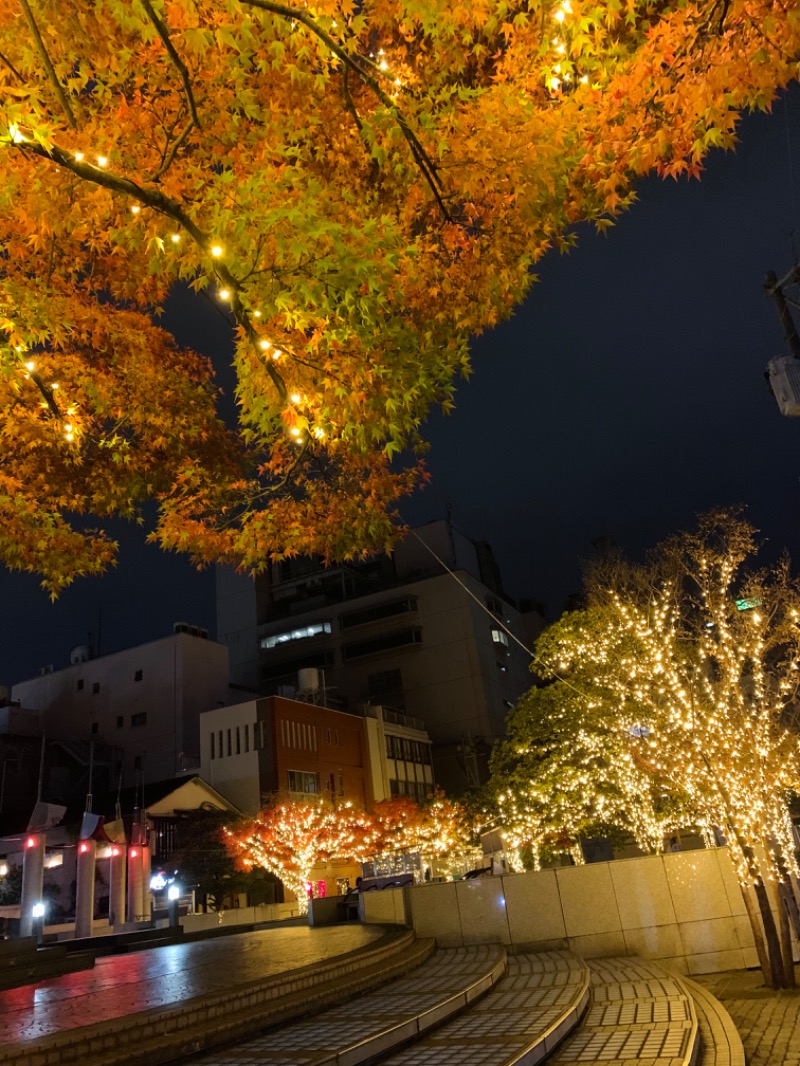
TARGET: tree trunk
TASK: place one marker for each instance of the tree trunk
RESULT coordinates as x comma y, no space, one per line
777,979
758,936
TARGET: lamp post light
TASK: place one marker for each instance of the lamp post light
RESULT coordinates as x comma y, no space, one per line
37,923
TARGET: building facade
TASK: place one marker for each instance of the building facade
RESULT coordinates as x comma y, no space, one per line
403,632
145,701
302,749
255,749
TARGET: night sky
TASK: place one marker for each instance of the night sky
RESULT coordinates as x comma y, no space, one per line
623,398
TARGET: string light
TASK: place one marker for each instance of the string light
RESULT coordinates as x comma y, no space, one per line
216,250
102,161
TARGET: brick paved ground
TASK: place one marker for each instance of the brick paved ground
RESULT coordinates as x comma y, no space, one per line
768,1022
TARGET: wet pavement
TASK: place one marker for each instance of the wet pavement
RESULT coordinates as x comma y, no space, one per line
121,985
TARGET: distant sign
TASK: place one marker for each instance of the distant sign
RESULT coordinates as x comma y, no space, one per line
748,604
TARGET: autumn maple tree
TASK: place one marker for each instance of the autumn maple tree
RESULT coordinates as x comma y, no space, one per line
288,838
361,188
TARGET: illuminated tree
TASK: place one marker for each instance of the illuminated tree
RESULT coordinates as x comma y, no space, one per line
693,663
398,823
566,773
290,837
361,188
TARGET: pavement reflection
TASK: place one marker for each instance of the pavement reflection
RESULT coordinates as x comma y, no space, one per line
126,984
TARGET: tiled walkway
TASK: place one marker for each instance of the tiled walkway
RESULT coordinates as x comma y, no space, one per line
127,984
768,1021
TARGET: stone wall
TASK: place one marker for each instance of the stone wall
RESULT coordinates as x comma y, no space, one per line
684,909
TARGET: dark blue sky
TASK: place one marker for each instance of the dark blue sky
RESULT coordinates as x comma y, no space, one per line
624,397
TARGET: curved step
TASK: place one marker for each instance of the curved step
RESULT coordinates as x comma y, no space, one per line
539,1002
380,1021
722,1045
162,1034
639,1013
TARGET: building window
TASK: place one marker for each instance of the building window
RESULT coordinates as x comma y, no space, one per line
79,684
230,746
96,686
247,737
407,750
213,747
137,762
139,719
315,629
219,746
138,675
238,742
95,728
418,790
495,606
120,721
377,612
300,781
386,642
499,636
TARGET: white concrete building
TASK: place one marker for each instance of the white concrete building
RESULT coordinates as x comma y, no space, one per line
146,701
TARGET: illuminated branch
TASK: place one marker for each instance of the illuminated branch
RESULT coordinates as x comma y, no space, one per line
165,205
48,63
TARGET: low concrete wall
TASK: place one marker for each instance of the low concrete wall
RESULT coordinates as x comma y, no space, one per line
684,909
389,906
267,912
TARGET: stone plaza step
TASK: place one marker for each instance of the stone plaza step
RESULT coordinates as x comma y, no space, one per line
721,1042
376,1023
536,1005
103,1018
639,1014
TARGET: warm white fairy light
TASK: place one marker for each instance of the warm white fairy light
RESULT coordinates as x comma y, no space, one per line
264,345
175,238
102,161
135,209
224,294
216,250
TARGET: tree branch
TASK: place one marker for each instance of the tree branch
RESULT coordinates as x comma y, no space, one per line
178,63
48,63
421,158
165,205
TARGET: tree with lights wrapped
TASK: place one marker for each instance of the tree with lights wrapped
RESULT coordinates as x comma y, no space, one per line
290,837
565,773
438,830
692,663
359,188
